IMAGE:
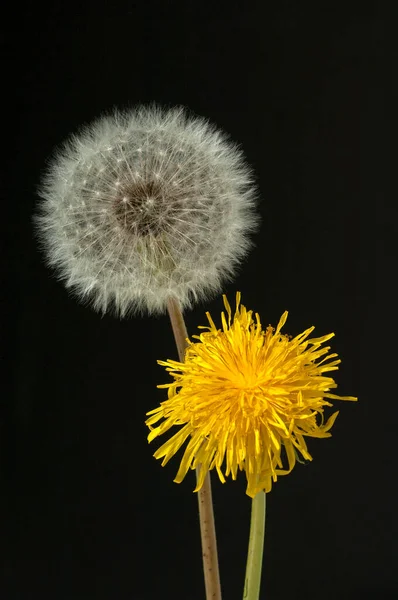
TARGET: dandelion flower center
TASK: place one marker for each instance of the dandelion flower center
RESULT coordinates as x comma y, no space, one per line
138,208
246,398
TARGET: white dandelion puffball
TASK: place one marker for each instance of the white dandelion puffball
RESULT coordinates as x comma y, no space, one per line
144,206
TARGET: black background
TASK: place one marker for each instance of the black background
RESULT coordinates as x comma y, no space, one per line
305,88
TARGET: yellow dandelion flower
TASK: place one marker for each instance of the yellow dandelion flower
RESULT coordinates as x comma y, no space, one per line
246,398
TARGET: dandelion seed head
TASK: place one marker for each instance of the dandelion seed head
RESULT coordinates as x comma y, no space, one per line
146,205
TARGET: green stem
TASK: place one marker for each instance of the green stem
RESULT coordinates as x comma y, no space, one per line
255,552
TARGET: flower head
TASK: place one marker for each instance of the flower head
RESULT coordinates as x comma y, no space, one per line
146,205
246,397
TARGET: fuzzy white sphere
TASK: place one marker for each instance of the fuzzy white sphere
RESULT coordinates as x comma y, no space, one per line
146,205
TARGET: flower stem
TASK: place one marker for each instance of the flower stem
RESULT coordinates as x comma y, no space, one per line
256,545
206,513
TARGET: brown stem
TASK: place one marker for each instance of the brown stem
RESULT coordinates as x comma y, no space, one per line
206,514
